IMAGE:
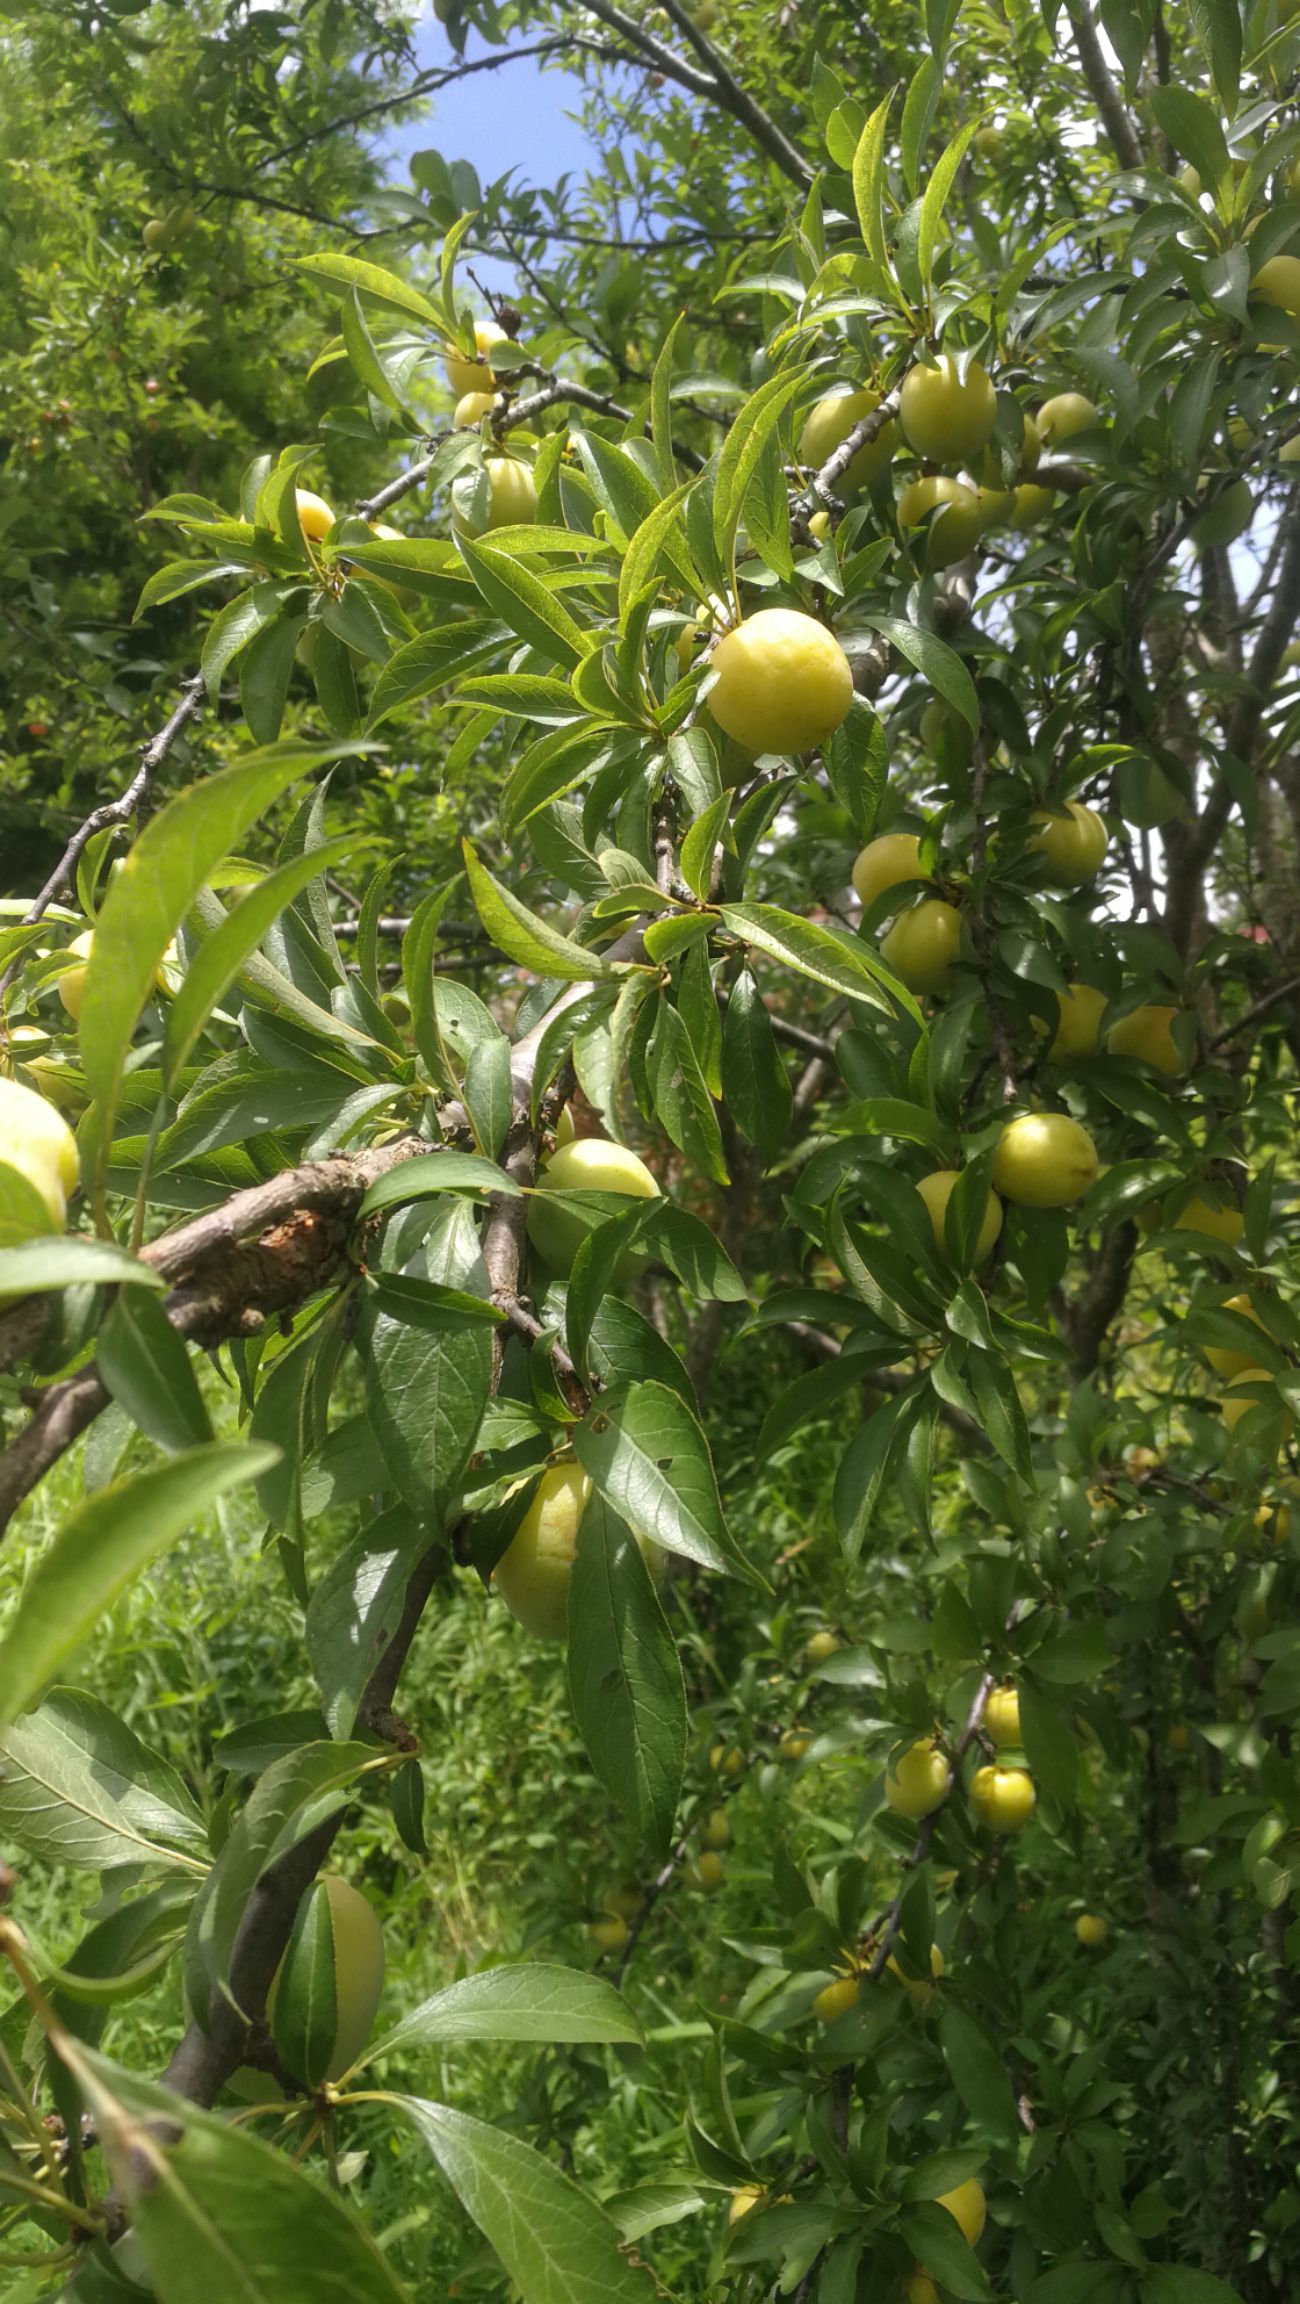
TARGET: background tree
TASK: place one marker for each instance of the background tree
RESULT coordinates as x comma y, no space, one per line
664,906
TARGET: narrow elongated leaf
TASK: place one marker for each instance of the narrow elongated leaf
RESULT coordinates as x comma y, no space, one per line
70,1261
1194,129
936,2240
108,1540
371,280
942,666
650,1460
430,1173
682,1101
755,1085
742,450
936,194
978,2073
220,2214
530,2001
521,935
869,181
557,2245
149,1372
292,1794
149,896
523,601
220,958
830,956
625,1678
78,1787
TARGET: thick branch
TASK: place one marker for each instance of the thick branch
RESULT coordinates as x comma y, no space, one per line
1089,1314
1106,96
737,100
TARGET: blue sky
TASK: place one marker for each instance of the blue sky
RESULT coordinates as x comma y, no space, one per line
517,117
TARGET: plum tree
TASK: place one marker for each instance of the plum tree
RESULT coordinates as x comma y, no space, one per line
951,513
1072,843
328,1988
1003,1799
474,375
887,862
831,420
535,1571
1146,1033
1002,1716
1080,1009
1091,1929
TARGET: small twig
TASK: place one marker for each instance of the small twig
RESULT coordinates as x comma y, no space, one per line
886,1928
1251,1015
1106,96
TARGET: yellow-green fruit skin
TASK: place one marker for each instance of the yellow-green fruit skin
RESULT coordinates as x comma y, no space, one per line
358,1972
958,521
709,1871
1078,1031
1061,417
1223,1359
1071,843
1029,505
1091,1929
609,1935
822,1645
922,946
315,516
920,2289
474,375
1147,1035
830,422
1278,283
534,1572
943,418
1002,1717
1221,1219
1249,1390
470,410
966,2205
916,1987
887,863
586,1164
1044,1160
835,2000
937,1190
783,682
715,1831
1003,1799
36,1140
918,1782
514,493
72,983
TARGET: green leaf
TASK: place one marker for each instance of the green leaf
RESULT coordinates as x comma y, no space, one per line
755,1085
937,2241
108,1540
1194,129
1218,24
754,425
660,536
529,2000
291,1795
148,1370
222,955
625,1679
521,935
994,1385
941,665
428,1371
650,1460
220,2214
978,2072
354,1609
830,956
861,1475
529,606
682,1102
1049,1747
265,670
869,183
691,1249
936,194
72,1261
304,2018
430,1173
557,2245
382,287
433,660
78,1787
1177,2284
149,896
364,356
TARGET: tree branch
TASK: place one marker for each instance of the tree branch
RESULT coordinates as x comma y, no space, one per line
1106,96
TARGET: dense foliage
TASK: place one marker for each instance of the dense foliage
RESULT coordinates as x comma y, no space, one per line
647,1159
